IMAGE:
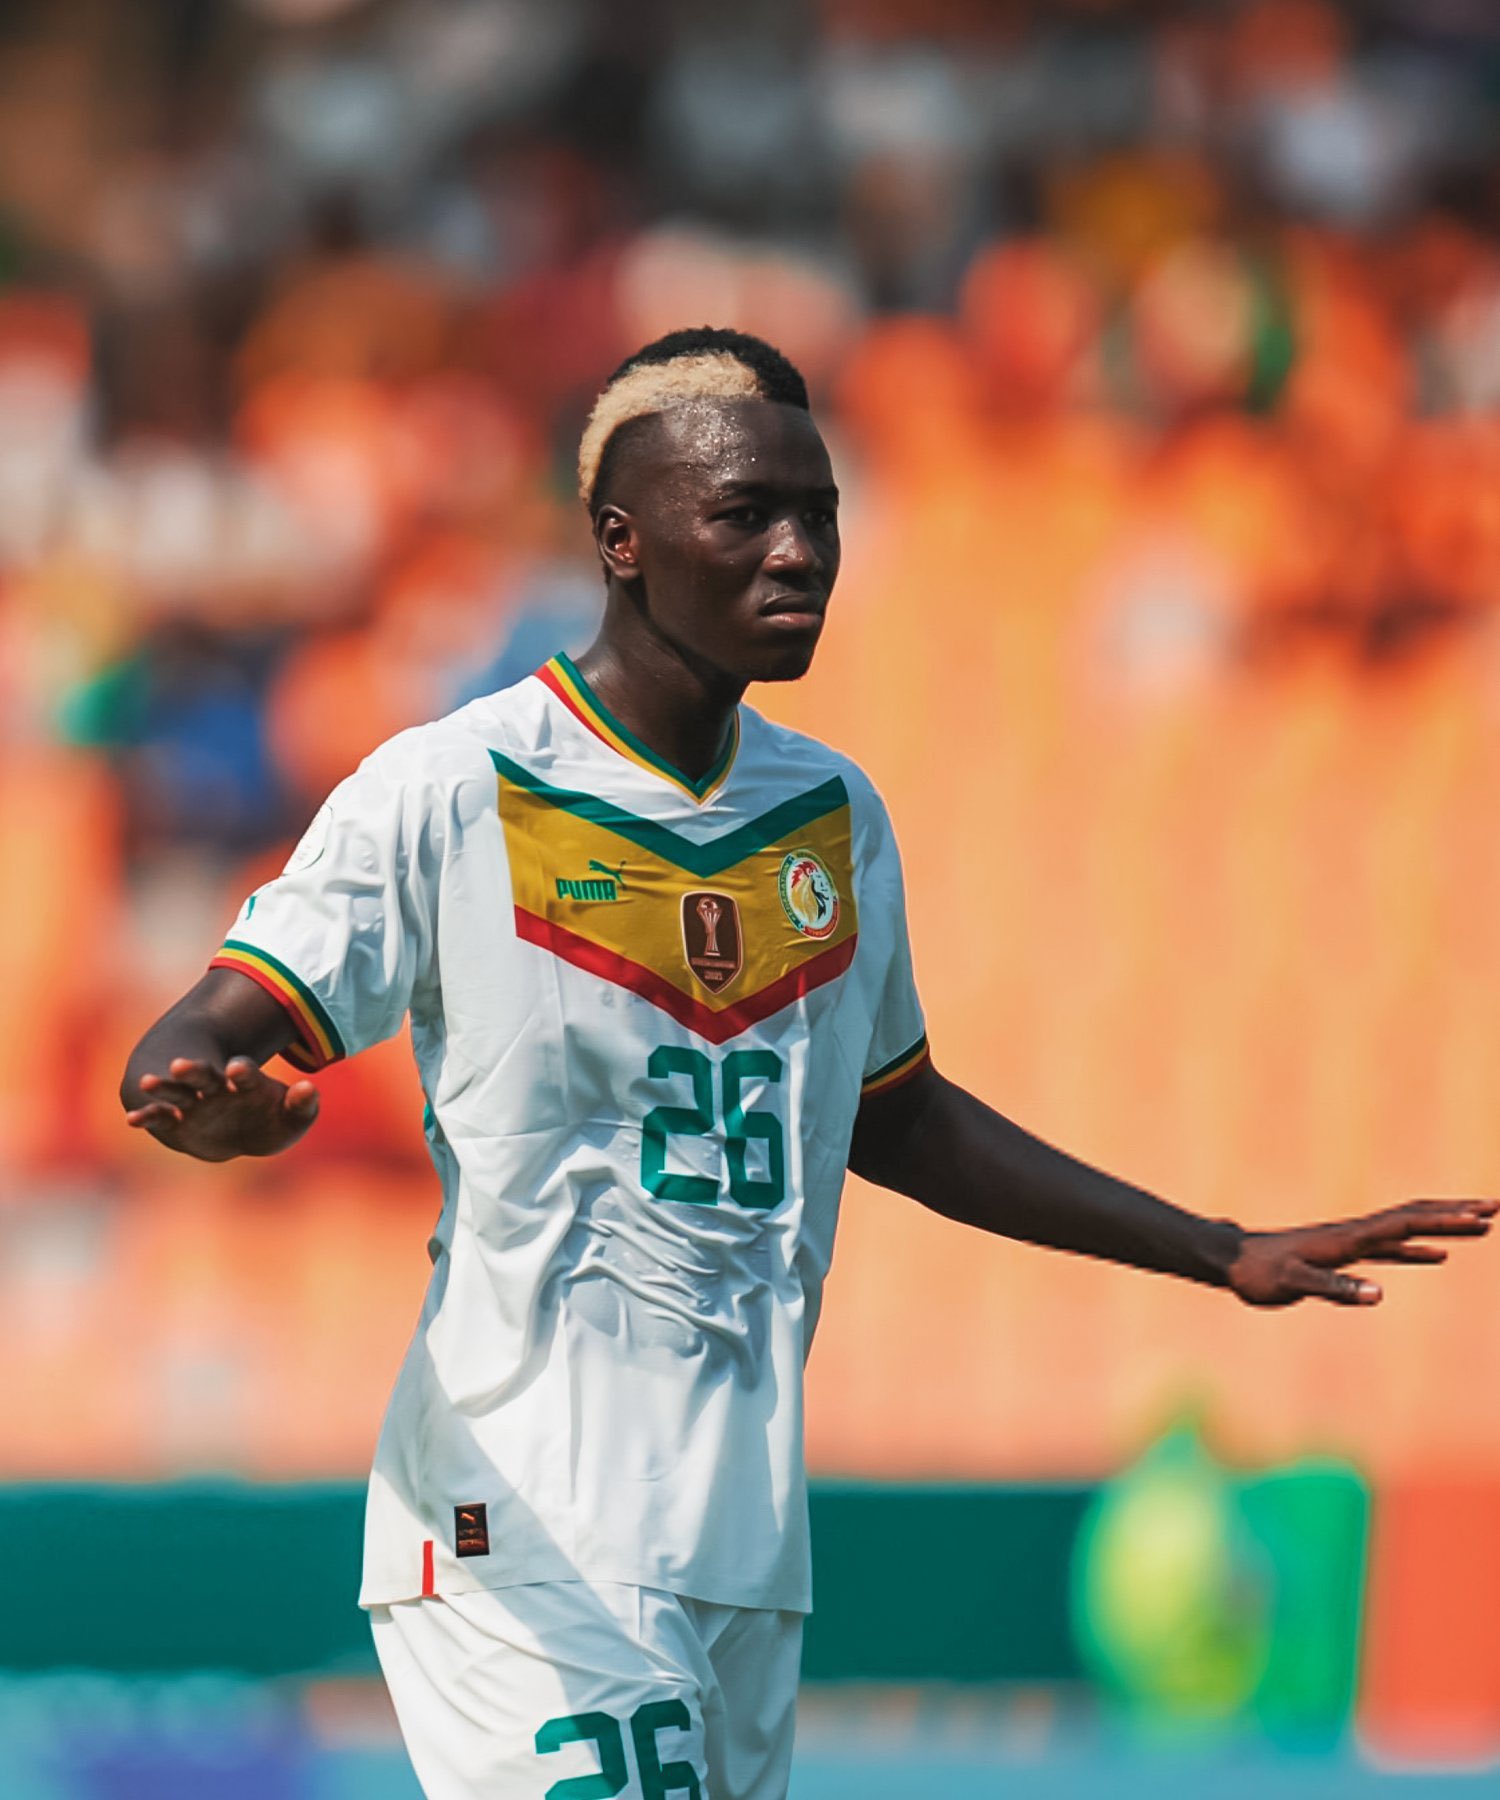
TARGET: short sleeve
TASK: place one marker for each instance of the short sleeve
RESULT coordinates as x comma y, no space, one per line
898,1040
341,937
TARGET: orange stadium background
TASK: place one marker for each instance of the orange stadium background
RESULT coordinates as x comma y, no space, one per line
1168,630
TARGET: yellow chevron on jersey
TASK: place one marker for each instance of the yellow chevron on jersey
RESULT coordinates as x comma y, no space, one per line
719,934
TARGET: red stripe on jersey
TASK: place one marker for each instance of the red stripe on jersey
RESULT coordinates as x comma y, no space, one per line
717,1025
548,677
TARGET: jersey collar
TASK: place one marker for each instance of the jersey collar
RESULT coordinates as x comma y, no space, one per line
562,676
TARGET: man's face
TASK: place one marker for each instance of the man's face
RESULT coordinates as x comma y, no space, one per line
724,528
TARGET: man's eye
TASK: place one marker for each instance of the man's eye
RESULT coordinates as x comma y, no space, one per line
822,518
742,515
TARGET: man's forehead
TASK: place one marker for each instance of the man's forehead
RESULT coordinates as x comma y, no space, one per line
728,440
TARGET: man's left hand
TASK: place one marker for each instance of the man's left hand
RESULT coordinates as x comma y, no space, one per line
1278,1268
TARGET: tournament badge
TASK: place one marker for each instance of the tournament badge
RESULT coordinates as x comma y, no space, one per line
711,938
313,842
808,895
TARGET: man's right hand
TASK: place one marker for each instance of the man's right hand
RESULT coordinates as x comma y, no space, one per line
216,1114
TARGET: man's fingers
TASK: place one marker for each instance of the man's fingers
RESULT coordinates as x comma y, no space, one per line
302,1100
1406,1224
1310,1261
189,1082
240,1073
203,1078
1429,1215
1448,1217
156,1112
177,1093
1329,1284
1368,1239
1448,1224
1408,1253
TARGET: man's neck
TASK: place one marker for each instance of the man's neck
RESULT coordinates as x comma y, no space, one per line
673,703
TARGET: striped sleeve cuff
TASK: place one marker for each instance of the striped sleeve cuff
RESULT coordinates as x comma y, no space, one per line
900,1068
319,1041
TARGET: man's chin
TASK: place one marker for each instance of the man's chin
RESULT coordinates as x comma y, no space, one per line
789,674
788,662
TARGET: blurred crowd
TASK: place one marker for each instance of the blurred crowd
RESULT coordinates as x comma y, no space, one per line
304,300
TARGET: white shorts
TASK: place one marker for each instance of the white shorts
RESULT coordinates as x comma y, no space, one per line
572,1688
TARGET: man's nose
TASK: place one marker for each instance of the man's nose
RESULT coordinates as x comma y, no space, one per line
791,549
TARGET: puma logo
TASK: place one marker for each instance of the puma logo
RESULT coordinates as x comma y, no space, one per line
605,885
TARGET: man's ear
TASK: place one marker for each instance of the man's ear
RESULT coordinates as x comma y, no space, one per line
618,543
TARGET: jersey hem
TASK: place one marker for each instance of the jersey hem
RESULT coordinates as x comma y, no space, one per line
374,1594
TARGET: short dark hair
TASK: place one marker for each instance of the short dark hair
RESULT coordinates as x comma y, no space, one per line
766,375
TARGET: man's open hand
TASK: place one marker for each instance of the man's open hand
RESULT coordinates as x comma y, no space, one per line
215,1114
1276,1268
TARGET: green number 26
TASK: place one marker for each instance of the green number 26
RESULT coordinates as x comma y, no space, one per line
658,1779
741,1128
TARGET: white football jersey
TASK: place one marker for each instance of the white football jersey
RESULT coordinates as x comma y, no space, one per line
644,1009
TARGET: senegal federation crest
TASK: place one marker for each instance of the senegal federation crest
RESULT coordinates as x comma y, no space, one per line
808,895
711,938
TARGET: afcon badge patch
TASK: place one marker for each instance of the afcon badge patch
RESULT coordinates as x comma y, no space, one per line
808,895
313,843
711,938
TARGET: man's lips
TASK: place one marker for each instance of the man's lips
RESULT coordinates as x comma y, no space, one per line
795,607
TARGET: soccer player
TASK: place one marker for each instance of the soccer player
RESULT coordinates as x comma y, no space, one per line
653,949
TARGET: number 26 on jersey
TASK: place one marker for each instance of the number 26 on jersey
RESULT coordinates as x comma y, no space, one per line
716,1110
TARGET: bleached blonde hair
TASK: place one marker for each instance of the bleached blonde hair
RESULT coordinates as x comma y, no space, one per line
651,387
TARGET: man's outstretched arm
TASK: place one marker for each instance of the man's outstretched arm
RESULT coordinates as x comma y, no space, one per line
935,1142
194,1080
